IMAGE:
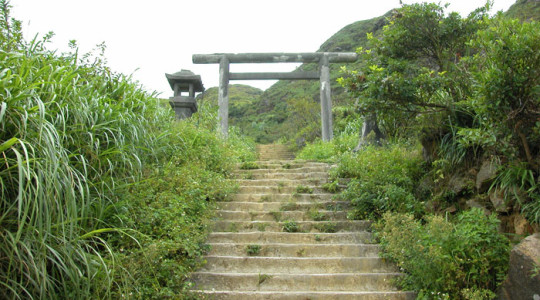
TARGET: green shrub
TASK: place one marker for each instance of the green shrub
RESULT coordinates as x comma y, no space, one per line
331,187
383,179
328,151
318,150
445,260
249,165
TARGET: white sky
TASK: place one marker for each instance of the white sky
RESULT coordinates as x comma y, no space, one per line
151,38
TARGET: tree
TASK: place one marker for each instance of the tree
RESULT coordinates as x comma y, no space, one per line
411,68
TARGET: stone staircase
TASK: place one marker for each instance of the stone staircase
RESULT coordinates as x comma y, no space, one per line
283,237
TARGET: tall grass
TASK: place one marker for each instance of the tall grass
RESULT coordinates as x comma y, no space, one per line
69,135
102,194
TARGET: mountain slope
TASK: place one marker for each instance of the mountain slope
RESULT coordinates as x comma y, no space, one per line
525,10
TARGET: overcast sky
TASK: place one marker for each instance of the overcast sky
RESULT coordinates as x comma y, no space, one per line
151,38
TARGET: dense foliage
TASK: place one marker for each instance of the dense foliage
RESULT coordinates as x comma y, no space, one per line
447,260
382,180
467,90
103,195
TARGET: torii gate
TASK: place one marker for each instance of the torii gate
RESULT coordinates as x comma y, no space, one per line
323,58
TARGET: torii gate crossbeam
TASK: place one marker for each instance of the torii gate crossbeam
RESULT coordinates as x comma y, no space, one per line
323,74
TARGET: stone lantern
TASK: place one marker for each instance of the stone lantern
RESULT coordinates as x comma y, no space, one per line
184,81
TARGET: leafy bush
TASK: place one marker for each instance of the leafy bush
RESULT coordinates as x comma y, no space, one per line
383,179
318,150
322,151
445,260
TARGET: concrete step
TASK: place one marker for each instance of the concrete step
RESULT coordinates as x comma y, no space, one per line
291,164
315,215
249,174
295,282
284,206
298,250
313,182
263,197
299,226
296,265
279,169
279,190
291,238
303,295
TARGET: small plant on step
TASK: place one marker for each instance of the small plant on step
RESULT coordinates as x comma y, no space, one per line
318,238
262,226
290,226
249,165
316,215
327,227
266,198
276,215
252,215
331,187
249,176
253,249
289,206
287,166
263,278
280,186
301,252
334,206
301,189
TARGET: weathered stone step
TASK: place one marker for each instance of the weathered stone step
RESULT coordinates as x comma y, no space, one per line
281,197
281,182
290,163
247,174
296,265
298,250
299,226
320,215
278,169
303,295
278,189
294,282
291,238
284,206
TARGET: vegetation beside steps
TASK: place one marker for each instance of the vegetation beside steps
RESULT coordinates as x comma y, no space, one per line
283,237
103,195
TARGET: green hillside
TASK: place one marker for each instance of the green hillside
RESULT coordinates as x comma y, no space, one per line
524,10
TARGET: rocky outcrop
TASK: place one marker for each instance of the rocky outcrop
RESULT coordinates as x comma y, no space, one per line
485,176
523,280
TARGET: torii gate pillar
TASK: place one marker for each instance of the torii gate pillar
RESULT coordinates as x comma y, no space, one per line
326,99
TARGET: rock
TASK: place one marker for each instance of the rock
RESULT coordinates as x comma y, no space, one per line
474,203
458,184
485,175
496,197
521,225
523,281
